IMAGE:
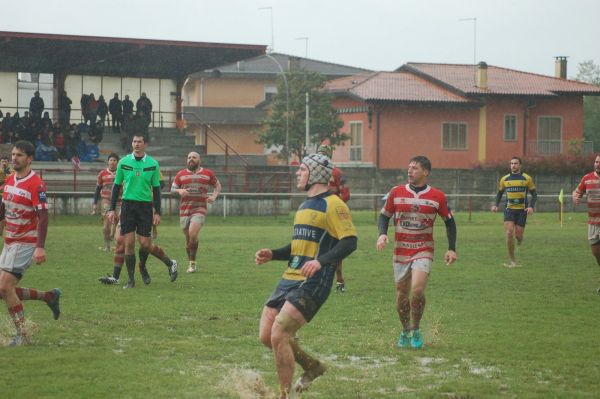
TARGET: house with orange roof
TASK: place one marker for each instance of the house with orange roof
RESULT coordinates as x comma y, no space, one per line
457,115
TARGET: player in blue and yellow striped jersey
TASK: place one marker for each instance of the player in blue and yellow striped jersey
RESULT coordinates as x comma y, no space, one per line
323,235
517,185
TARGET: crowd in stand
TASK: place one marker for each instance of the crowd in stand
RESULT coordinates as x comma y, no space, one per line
63,140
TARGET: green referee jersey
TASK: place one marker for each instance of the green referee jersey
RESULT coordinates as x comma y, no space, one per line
138,177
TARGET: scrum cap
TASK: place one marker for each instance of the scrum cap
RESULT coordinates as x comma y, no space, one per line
320,168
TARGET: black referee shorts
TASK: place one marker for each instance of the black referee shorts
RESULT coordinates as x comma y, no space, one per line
136,216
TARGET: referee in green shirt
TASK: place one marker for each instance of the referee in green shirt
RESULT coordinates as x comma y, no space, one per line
139,175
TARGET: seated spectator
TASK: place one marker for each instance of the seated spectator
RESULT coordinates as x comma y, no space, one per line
46,121
96,132
45,151
59,143
72,140
7,123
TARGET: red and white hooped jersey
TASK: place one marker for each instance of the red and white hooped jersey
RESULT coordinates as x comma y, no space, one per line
106,180
590,185
414,216
22,198
197,183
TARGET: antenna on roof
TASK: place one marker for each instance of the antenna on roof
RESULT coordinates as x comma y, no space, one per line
305,45
474,20
272,31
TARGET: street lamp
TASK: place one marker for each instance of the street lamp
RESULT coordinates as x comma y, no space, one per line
287,108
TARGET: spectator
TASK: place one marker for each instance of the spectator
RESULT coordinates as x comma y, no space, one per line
36,105
102,109
7,123
46,121
64,108
96,132
93,109
85,107
127,107
143,107
45,151
59,143
115,107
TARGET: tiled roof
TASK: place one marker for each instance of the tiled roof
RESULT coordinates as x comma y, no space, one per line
265,65
499,80
394,86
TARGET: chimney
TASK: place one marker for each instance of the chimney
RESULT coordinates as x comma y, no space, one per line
482,75
560,67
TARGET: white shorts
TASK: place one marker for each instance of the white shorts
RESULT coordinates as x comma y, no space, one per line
402,269
16,258
594,234
197,218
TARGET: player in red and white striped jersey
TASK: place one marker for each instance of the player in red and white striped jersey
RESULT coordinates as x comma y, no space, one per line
193,185
24,207
590,185
104,185
414,208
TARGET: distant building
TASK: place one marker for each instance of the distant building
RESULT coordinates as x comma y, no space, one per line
457,115
234,99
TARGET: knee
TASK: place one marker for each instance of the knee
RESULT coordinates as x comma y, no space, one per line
265,338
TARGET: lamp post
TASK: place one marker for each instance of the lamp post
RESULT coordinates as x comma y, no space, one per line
287,108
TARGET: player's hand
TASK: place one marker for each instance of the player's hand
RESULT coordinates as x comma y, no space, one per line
381,242
156,219
263,256
310,268
529,210
450,257
94,208
39,255
182,192
576,198
494,208
111,216
210,199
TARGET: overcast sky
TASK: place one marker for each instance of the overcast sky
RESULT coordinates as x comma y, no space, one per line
375,34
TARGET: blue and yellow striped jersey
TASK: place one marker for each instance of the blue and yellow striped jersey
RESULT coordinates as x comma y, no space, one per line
320,222
516,185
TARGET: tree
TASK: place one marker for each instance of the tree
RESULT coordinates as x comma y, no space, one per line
324,121
589,72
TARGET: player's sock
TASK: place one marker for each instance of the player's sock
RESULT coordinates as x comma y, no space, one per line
18,317
130,263
117,271
107,245
31,293
143,257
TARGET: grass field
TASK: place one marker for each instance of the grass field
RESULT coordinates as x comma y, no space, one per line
529,332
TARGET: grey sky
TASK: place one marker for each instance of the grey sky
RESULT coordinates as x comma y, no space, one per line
375,34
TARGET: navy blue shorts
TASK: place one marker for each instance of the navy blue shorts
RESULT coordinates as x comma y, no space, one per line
307,296
517,216
136,216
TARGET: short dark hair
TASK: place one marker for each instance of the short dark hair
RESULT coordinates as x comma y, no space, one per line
26,147
517,158
423,161
139,135
113,155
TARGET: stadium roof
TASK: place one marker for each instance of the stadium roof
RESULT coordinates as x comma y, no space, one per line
110,56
